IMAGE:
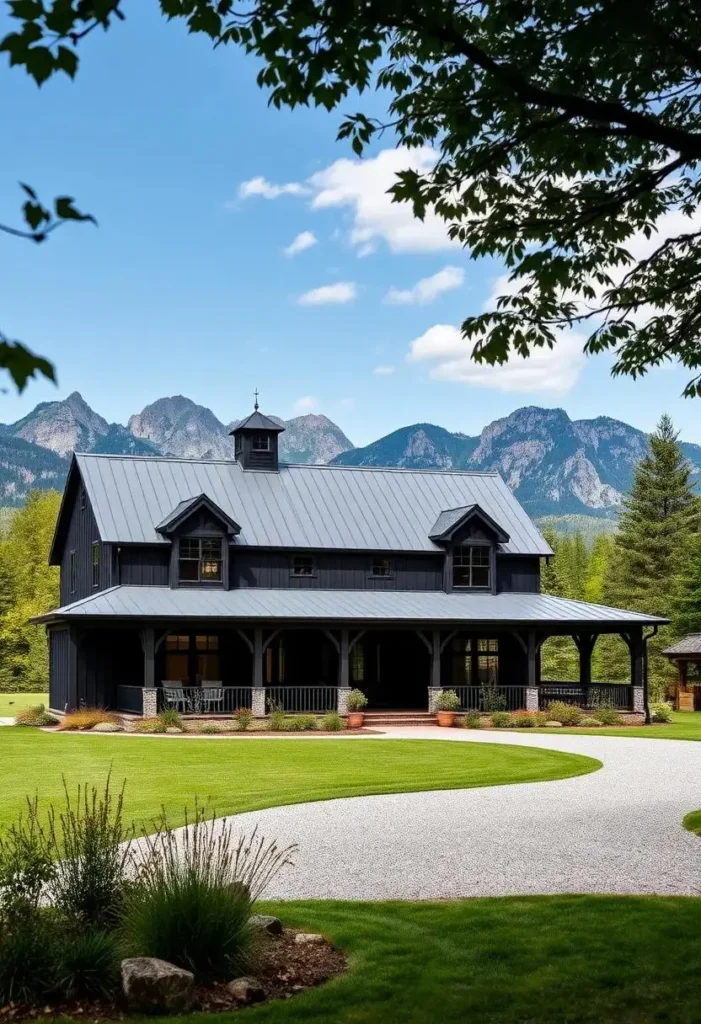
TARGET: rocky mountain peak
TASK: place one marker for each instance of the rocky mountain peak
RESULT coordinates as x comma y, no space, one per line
62,427
178,426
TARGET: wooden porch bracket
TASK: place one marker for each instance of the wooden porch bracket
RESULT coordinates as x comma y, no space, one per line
358,636
447,640
246,639
429,645
336,644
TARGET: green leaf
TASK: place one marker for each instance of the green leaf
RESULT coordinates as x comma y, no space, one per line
30,191
28,10
35,214
65,210
67,60
39,62
22,364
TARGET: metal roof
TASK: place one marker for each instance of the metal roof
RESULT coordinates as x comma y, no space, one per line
689,646
184,508
316,507
340,605
257,421
448,519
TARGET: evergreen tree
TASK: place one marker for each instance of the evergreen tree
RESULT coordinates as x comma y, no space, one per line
597,568
660,521
559,659
686,606
29,586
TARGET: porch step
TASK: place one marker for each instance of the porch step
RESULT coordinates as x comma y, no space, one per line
400,718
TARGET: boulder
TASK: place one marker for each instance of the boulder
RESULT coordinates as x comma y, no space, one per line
246,990
267,923
174,729
553,725
309,939
155,986
107,727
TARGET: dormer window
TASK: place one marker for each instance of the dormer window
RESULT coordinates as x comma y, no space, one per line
200,560
302,565
260,443
472,566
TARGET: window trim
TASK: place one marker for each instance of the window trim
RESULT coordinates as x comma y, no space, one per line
200,581
95,565
470,545
303,575
72,571
389,575
258,437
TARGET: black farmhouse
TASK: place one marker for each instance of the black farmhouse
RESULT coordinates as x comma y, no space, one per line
216,584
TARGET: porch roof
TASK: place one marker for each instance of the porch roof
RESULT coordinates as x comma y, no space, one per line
251,604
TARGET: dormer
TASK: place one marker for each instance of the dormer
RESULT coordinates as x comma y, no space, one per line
256,441
470,538
200,532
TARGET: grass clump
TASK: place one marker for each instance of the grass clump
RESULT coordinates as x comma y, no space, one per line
83,719
149,725
473,720
277,720
171,719
243,718
565,714
590,723
332,722
302,723
607,715
662,712
210,729
36,716
500,719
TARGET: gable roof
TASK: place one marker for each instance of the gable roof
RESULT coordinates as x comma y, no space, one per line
257,421
688,646
452,519
185,508
313,507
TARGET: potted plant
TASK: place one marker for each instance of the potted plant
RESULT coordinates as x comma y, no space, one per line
355,702
446,706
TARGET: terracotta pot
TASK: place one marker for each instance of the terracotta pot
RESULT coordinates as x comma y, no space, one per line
355,719
446,719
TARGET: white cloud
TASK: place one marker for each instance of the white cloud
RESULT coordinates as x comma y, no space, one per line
307,403
428,288
329,294
554,370
304,240
263,187
384,370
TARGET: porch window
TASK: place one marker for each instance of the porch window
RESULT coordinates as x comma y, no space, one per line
200,560
474,662
487,662
382,567
260,443
96,564
302,565
472,566
357,663
192,660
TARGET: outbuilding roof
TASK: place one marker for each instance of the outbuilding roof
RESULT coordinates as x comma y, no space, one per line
130,602
689,646
313,507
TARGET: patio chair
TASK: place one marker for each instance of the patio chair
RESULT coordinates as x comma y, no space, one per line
174,696
212,697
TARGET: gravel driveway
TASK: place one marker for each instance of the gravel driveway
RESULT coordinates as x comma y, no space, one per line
617,830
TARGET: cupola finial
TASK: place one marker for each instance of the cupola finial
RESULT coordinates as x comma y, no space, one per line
255,403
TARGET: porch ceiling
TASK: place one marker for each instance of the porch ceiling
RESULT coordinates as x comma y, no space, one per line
249,604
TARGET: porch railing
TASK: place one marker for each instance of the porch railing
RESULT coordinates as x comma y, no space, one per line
616,695
294,699
129,698
204,700
490,698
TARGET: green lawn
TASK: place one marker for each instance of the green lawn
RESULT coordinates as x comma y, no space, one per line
539,960
245,775
10,703
692,822
686,726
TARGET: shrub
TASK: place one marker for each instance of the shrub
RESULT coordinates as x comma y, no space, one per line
171,719
278,720
492,700
210,728
149,725
36,716
87,964
332,722
243,717
27,957
92,847
447,700
302,723
356,700
192,899
523,720
661,712
500,719
473,720
27,864
607,715
86,718
565,714
590,723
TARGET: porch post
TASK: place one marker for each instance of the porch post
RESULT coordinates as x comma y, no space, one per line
435,688
343,673
532,673
637,670
585,645
149,696
258,693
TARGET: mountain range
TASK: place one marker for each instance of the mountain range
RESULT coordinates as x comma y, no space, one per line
556,466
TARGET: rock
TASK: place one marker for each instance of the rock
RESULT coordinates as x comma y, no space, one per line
246,990
267,923
174,729
107,727
308,939
155,986
553,725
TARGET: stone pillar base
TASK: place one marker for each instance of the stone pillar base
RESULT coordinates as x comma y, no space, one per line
342,699
149,702
638,699
433,694
258,702
531,698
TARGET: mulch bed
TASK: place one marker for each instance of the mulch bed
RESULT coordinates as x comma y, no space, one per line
283,968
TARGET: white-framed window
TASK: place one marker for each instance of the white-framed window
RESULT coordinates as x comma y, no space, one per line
260,443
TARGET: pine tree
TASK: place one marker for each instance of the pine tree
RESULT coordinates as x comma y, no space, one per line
686,606
661,518
559,656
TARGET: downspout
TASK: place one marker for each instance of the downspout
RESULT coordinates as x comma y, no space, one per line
646,704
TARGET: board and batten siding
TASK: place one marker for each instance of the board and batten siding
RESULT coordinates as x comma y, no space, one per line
141,566
81,534
518,574
334,571
60,695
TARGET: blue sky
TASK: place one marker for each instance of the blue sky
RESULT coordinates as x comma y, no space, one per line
186,288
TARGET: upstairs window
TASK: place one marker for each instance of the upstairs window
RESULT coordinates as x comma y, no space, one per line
72,571
200,560
96,564
260,443
302,565
472,566
382,567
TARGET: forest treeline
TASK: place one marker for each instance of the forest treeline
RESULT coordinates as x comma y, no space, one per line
651,564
